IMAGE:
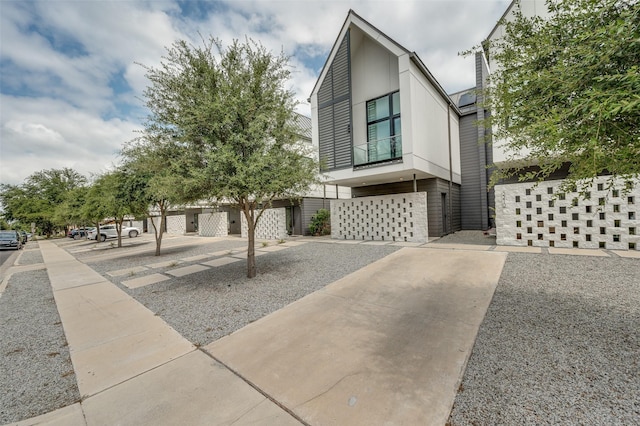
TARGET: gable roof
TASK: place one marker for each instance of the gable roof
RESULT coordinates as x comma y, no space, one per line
354,19
302,124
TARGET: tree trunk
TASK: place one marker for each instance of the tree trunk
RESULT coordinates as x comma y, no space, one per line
158,230
249,213
119,231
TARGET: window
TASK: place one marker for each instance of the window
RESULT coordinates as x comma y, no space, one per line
383,123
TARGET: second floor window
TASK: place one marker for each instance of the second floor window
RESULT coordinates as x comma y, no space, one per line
383,117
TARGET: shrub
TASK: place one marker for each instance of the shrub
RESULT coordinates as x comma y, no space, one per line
320,223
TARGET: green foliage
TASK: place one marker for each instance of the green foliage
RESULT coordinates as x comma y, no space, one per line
320,223
40,199
566,89
227,118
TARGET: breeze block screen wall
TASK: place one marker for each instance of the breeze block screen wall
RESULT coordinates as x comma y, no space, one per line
177,225
271,226
542,216
397,217
213,224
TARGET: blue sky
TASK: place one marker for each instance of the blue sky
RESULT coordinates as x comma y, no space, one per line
70,87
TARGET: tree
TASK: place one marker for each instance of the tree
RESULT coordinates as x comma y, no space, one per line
159,170
566,90
36,200
231,115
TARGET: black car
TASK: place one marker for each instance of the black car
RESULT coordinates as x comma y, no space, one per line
79,233
10,240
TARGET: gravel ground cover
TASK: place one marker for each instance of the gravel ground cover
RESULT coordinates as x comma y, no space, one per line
31,255
211,304
560,344
36,375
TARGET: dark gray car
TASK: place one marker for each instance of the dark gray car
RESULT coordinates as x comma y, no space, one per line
10,240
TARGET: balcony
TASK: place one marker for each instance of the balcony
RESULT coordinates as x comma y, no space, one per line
378,151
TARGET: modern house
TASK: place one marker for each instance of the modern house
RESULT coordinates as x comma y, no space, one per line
386,128
418,160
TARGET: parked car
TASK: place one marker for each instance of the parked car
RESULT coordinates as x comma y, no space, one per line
110,231
10,240
80,232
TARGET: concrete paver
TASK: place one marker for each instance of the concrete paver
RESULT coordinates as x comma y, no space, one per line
187,270
71,415
578,252
452,246
384,345
165,264
146,280
195,390
628,254
272,248
128,271
517,249
221,261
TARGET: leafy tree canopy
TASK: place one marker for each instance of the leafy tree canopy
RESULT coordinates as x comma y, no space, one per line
228,114
566,89
36,200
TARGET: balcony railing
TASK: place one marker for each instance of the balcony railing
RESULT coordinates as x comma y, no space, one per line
378,151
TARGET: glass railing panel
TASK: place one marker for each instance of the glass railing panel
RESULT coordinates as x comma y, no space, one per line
378,150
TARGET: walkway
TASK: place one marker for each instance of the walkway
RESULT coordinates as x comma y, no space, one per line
386,344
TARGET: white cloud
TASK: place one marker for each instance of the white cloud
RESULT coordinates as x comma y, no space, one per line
41,133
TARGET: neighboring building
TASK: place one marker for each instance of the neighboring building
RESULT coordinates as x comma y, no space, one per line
384,126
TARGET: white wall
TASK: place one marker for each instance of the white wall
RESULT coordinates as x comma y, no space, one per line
605,218
271,226
397,217
374,73
426,126
213,224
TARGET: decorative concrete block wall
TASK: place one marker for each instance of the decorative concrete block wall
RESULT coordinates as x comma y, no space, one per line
150,221
177,225
543,216
397,217
213,224
271,226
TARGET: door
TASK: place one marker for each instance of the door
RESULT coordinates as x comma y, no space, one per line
445,215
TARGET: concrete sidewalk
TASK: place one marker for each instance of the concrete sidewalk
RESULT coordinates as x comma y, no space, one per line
385,345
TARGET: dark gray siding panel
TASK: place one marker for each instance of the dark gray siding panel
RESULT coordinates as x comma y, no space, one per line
310,207
325,133
471,168
334,112
342,134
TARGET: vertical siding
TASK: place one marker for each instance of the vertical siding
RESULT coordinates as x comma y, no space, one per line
471,203
334,112
310,207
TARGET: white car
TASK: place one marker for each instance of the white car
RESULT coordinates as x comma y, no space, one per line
110,231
